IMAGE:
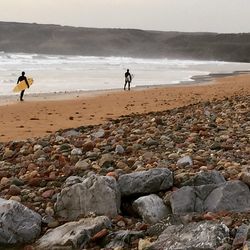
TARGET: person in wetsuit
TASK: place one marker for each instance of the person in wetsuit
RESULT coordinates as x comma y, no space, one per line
22,78
128,79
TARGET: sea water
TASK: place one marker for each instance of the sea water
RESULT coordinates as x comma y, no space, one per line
60,73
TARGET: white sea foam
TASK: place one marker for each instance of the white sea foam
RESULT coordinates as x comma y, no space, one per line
56,73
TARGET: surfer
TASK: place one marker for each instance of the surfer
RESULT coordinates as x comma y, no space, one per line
22,78
128,79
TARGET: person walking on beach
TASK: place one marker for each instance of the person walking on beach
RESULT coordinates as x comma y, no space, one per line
128,79
22,78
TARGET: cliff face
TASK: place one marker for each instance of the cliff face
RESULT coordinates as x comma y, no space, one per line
55,39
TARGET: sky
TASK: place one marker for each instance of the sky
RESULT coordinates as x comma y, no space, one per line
224,16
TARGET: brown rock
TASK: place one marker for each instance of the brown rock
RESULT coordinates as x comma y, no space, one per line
112,174
14,190
5,181
52,176
209,216
104,232
48,193
34,182
4,174
32,167
88,146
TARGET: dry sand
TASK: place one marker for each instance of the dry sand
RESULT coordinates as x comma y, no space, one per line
37,118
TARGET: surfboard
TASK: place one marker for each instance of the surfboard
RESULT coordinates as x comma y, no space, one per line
22,85
128,79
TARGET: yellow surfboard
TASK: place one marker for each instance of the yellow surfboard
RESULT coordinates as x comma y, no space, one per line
22,85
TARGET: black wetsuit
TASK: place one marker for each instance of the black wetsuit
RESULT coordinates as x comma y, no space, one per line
128,79
22,78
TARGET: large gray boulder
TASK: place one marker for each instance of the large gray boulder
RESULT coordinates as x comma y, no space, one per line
195,236
183,200
96,194
18,223
232,196
72,235
228,196
151,208
145,182
205,178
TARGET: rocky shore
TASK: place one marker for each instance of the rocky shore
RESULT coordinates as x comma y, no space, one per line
177,179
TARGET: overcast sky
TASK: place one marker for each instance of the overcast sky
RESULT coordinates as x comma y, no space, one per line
179,15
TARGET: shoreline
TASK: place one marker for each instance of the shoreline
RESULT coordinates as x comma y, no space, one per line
195,80
35,118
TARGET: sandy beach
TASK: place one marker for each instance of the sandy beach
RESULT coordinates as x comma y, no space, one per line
41,115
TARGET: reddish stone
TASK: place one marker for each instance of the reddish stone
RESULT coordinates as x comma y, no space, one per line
48,194
118,218
32,167
4,174
203,133
129,150
34,182
209,216
112,174
143,227
88,146
14,190
66,170
62,160
52,176
222,214
100,234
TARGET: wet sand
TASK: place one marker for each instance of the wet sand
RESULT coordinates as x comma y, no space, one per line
41,115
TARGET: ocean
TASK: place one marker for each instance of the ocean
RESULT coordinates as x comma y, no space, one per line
59,73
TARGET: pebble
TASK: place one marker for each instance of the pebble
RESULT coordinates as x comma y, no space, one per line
14,190
121,223
119,149
143,244
76,151
15,198
5,181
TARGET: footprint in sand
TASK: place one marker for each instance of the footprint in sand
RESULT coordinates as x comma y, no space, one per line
71,118
34,119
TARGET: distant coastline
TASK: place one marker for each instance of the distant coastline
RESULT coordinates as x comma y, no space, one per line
55,39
